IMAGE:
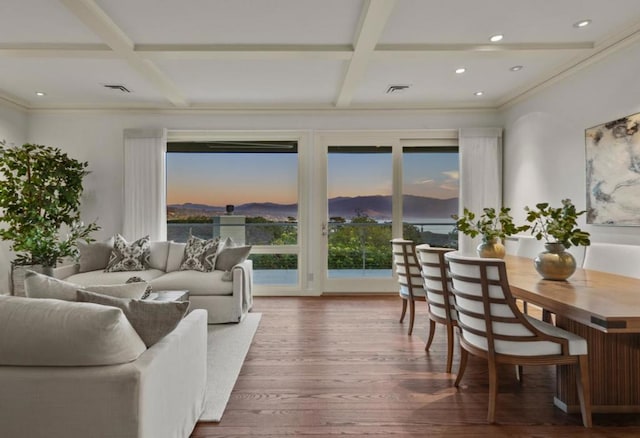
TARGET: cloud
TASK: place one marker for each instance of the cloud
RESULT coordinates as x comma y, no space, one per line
453,174
424,181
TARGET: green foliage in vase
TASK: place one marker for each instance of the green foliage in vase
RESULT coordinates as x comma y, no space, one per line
490,224
557,225
40,194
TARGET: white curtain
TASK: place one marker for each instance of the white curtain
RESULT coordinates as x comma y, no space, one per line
480,175
145,209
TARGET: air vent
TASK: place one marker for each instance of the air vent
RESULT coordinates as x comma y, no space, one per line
118,87
395,89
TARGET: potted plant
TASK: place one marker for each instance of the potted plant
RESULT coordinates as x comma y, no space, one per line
40,198
492,225
558,226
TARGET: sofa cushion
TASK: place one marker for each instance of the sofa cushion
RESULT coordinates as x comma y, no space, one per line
101,277
42,286
197,283
231,256
126,256
158,254
62,333
176,254
153,320
94,255
200,254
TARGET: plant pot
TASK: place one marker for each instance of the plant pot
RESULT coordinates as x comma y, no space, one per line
491,249
556,263
17,276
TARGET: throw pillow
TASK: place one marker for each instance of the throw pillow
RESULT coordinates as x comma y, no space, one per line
148,289
94,256
60,333
200,254
229,257
42,286
129,256
153,320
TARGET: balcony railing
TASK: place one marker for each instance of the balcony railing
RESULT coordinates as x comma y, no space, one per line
354,249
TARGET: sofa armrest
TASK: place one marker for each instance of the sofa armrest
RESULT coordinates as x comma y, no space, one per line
62,272
159,394
243,285
173,376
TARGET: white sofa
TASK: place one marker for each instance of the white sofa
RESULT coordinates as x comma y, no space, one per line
227,296
140,393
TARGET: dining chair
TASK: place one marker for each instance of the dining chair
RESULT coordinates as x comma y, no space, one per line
409,276
494,328
613,258
440,302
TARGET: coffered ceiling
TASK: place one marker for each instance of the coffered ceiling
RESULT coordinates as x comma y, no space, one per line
299,54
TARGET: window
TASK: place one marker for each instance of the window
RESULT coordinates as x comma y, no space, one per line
246,190
430,189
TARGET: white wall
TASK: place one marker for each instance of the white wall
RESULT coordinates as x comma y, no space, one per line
544,147
97,137
13,129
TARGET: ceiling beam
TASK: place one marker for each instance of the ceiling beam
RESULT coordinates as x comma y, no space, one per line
338,52
245,51
101,24
375,14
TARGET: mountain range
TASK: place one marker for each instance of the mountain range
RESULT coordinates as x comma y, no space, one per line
416,208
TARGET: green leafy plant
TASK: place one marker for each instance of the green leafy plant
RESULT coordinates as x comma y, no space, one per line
40,195
490,224
557,225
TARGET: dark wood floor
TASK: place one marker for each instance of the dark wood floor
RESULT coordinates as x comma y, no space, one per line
344,366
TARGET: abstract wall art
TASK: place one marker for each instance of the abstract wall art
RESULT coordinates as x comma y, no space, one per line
613,172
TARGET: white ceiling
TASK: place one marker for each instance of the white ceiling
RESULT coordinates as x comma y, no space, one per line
298,54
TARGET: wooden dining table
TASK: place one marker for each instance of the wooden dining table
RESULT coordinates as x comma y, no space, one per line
604,309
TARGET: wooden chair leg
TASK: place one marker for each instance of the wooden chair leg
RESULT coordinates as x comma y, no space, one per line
584,389
525,307
404,309
546,316
432,331
412,315
464,355
449,347
493,392
519,374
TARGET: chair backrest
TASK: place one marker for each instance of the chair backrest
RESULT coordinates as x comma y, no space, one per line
488,317
613,258
407,266
437,282
530,247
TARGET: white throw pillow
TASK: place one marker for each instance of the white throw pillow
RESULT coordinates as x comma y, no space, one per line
42,286
60,333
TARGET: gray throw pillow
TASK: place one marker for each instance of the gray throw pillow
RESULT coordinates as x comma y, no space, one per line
94,256
229,257
132,256
42,286
153,320
200,255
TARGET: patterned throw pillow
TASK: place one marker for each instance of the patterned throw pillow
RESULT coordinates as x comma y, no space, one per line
147,290
200,254
129,256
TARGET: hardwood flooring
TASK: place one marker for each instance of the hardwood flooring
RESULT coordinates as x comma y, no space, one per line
345,366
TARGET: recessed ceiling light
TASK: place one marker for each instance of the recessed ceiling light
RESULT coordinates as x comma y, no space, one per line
496,38
478,93
516,68
582,23
40,93
460,70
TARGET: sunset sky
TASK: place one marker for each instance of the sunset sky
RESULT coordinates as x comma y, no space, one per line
220,179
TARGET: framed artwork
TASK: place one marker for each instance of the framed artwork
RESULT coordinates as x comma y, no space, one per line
613,172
